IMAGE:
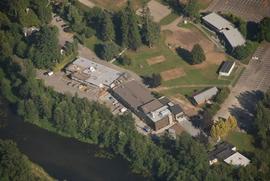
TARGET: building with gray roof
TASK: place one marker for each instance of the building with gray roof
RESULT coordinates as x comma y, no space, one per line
220,25
227,152
202,97
90,72
226,68
140,101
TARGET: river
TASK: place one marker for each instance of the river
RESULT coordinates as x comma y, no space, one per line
63,158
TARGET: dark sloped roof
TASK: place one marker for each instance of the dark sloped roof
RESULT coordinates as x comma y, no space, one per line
221,150
151,106
226,66
134,94
176,109
164,100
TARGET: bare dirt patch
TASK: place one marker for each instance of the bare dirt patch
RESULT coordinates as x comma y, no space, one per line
157,10
172,74
155,60
187,38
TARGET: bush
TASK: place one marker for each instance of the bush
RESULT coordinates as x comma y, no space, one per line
152,81
242,52
107,51
21,49
124,60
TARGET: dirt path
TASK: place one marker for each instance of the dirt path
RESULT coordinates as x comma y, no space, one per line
188,86
87,3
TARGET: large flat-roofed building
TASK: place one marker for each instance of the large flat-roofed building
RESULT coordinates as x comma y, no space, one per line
90,72
226,68
202,97
139,100
220,25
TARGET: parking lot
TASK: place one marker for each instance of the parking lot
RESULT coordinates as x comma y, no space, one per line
62,84
250,10
248,90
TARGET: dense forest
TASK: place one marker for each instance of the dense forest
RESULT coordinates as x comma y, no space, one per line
165,159
15,166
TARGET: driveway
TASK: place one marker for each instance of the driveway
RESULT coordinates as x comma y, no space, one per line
255,80
62,35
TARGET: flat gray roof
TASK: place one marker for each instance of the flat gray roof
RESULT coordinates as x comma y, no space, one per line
205,95
93,72
134,93
231,33
234,37
217,21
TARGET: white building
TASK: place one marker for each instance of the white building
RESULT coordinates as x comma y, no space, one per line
226,68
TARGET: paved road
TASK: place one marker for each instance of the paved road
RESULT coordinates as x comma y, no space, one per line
248,90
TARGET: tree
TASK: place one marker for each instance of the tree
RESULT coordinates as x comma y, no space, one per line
13,165
107,28
107,51
42,9
21,49
192,8
124,60
242,52
46,52
129,28
265,28
232,122
150,30
198,55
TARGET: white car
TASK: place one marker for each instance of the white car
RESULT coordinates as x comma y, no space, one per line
255,58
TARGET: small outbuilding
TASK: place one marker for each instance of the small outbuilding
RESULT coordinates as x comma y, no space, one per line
227,152
202,97
226,68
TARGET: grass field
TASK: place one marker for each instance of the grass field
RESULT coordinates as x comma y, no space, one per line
193,76
117,4
168,19
91,42
242,141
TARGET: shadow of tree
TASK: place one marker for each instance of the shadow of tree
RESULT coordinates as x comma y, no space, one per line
245,113
185,54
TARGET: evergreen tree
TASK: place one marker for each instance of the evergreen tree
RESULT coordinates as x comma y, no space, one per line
198,55
150,30
107,28
129,28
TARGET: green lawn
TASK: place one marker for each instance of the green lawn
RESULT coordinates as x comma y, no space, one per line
186,91
242,141
91,42
168,19
193,76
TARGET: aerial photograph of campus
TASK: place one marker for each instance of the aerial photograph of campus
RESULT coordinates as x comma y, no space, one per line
134,90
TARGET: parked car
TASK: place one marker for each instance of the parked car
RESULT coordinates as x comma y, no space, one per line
147,129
